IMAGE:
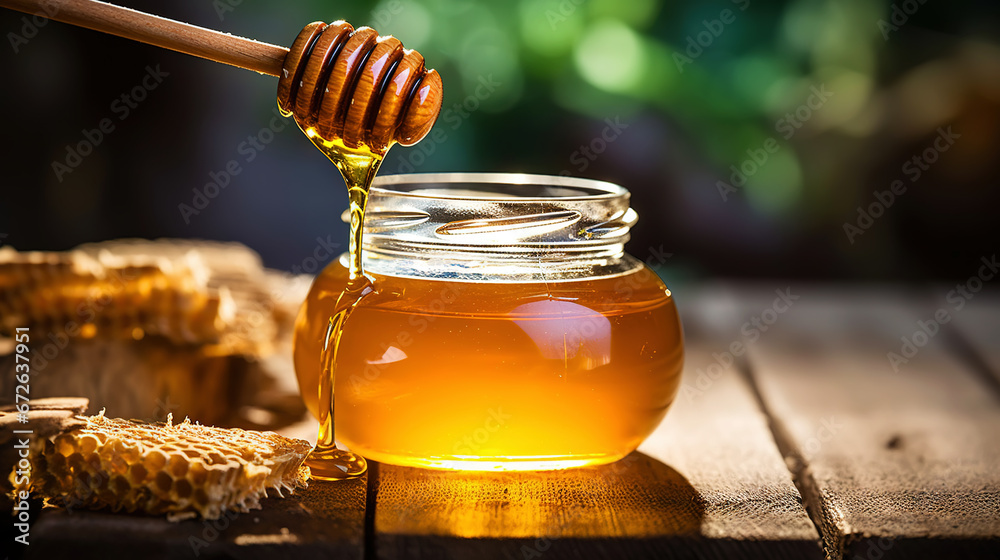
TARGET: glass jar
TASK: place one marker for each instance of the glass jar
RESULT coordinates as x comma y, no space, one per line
506,328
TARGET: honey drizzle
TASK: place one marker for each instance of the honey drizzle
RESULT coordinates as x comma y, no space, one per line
358,166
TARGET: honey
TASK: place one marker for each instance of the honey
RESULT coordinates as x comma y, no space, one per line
358,166
497,375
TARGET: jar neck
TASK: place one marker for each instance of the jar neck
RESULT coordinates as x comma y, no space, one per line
497,227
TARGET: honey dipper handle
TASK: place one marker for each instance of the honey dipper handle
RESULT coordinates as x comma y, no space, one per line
162,32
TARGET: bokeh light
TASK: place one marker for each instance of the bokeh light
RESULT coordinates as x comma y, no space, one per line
527,84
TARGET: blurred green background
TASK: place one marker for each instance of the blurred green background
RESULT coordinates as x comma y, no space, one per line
817,104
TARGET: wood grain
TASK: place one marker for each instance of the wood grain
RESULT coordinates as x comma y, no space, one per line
348,97
709,483
894,462
978,325
325,521
161,32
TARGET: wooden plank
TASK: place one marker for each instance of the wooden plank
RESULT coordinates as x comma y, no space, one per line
324,521
719,437
896,459
978,326
709,483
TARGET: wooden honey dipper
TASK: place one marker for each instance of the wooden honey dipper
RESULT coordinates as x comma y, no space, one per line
352,84
346,83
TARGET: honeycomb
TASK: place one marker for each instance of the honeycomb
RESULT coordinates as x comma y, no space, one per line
143,328
164,468
108,295
190,292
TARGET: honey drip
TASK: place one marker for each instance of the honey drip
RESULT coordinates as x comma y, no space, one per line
358,166
354,94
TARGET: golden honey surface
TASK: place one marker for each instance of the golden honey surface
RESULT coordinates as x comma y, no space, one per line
495,376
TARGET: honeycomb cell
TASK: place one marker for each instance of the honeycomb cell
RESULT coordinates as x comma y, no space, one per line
183,488
66,446
137,473
163,481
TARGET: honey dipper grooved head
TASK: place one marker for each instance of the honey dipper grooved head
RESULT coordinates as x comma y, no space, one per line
354,85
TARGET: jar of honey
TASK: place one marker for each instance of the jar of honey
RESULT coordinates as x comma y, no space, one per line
505,327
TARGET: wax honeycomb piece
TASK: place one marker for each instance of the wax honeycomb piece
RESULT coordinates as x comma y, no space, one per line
143,328
108,295
165,468
190,292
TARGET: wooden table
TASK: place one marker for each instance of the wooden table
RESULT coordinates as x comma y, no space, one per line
800,438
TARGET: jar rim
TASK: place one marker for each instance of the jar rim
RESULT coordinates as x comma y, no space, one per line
500,227
596,190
